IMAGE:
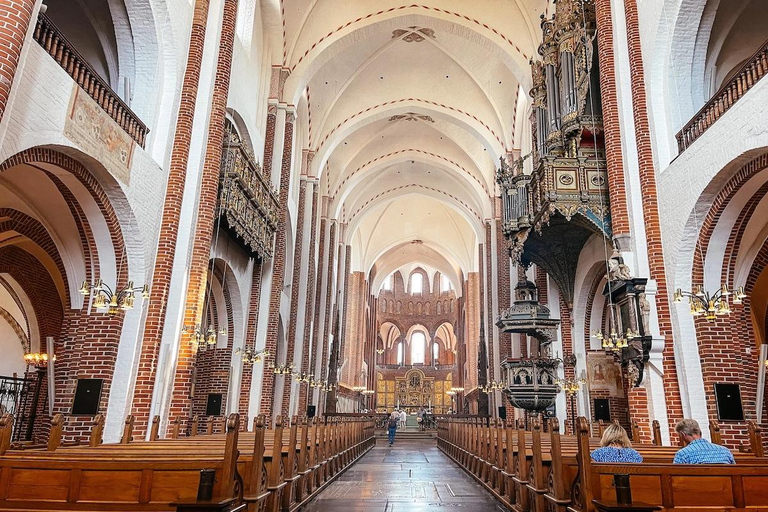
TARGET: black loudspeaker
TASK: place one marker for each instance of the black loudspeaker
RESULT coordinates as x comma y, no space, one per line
87,397
602,410
311,409
502,412
213,407
729,402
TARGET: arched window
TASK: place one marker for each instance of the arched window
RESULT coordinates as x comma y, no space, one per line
435,351
417,283
387,283
445,284
400,353
418,347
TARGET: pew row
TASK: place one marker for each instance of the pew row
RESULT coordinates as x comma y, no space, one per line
272,470
530,470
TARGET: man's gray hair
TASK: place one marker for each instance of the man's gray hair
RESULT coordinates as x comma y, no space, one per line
688,427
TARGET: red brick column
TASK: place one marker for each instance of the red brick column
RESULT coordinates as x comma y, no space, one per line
181,403
613,155
250,340
15,16
269,139
298,265
328,298
503,280
343,327
651,212
566,331
169,229
316,349
278,267
492,363
309,300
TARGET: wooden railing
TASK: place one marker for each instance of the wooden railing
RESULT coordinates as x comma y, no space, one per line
750,73
65,54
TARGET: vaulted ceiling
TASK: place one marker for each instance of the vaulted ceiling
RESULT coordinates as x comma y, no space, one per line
408,109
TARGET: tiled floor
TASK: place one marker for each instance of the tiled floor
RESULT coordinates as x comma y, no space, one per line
412,476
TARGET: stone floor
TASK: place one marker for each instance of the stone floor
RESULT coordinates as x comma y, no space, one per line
411,476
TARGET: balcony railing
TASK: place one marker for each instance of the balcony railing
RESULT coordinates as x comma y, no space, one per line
65,54
750,73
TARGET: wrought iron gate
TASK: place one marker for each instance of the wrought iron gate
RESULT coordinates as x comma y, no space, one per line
20,396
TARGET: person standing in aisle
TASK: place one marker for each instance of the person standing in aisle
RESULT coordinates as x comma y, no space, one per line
392,422
403,419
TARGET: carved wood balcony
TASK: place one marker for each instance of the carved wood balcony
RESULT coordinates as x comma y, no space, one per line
550,214
732,91
247,202
65,54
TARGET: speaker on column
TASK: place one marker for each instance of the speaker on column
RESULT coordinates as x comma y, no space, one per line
311,411
503,412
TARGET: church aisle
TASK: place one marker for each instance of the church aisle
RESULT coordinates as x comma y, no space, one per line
411,476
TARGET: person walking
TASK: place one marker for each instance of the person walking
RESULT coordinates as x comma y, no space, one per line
403,419
698,450
394,419
420,419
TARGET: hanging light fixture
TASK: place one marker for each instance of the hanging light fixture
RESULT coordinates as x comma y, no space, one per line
107,301
251,356
303,377
570,386
204,337
379,351
710,305
38,359
493,386
283,369
615,341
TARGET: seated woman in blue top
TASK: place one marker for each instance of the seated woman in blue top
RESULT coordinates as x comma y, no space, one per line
615,447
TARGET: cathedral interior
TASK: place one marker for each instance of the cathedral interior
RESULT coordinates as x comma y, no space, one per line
525,213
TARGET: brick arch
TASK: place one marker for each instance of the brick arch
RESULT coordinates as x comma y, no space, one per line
37,283
50,155
23,338
86,344
393,321
593,289
32,229
726,343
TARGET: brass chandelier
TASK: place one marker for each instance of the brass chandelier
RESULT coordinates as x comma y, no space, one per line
322,385
38,359
571,387
615,341
252,356
493,386
713,305
283,369
204,337
110,302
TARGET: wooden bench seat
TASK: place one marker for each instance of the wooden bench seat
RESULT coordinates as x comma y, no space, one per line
530,470
279,470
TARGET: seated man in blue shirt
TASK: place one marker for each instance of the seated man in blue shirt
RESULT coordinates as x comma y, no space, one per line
698,450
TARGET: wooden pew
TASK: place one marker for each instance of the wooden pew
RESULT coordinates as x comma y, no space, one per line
678,487
551,461
149,476
76,478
